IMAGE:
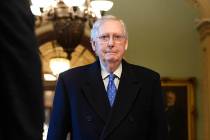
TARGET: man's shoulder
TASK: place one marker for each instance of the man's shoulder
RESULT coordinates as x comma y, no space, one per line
76,71
143,71
142,68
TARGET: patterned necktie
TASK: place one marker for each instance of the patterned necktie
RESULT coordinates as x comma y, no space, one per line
111,89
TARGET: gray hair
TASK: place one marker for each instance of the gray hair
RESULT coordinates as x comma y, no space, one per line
99,22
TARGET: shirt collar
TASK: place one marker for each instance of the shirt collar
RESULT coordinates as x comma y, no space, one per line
105,73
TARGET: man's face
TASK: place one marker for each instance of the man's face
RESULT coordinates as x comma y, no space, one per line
170,99
110,44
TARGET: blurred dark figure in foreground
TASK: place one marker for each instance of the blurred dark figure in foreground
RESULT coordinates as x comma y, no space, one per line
21,95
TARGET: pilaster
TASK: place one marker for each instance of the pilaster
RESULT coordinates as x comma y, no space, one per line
203,28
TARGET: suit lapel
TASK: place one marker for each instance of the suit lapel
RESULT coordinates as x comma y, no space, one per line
127,92
95,92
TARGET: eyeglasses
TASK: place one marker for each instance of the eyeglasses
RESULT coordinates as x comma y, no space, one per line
115,37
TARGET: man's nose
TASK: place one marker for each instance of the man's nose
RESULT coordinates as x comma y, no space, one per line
111,42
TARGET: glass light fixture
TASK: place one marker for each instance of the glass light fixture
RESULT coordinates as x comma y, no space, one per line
87,8
58,65
49,77
74,2
36,10
42,3
101,5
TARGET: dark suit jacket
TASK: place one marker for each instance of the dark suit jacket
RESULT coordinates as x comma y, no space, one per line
21,95
81,106
177,124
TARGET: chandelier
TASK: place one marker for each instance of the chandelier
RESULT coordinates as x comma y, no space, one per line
69,19
85,9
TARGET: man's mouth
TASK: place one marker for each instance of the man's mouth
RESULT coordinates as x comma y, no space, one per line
109,52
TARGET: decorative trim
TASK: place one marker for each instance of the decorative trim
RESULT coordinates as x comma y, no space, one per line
203,27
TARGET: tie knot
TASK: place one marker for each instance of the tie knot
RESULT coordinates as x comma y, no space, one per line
111,76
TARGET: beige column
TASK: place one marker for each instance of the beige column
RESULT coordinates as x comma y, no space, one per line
204,30
203,27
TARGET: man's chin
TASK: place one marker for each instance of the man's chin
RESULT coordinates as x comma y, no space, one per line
111,60
111,64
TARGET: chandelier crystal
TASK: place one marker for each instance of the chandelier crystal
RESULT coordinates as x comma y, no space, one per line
70,8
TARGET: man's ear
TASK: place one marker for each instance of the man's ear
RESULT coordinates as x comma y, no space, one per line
126,45
93,44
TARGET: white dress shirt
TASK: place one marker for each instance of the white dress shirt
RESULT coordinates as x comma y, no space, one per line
105,76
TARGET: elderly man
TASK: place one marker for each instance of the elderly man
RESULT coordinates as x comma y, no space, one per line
109,99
